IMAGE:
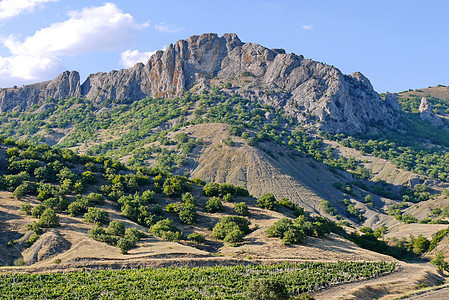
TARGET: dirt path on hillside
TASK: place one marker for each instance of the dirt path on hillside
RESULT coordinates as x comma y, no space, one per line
390,286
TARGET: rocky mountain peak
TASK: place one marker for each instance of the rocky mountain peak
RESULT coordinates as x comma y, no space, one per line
316,94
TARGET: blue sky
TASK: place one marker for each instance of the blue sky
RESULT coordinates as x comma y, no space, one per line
397,44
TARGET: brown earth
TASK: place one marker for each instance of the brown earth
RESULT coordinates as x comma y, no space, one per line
440,92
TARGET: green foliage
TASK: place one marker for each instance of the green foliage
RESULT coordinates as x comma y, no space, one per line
124,245
438,237
96,215
174,186
292,206
221,189
48,219
185,211
116,228
89,177
241,208
219,282
231,229
25,188
327,207
213,205
369,200
267,201
234,237
439,262
420,245
286,230
196,237
26,207
167,230
188,198
266,288
31,240
408,219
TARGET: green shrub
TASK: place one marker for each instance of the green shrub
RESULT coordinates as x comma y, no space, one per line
26,207
286,230
328,208
267,201
163,226
420,245
187,214
196,237
30,241
96,215
213,205
88,177
19,262
266,289
188,198
439,262
116,228
228,198
229,223
48,219
37,210
125,244
241,208
175,186
26,188
234,237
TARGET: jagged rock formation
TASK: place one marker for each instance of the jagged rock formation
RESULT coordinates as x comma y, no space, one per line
393,101
66,84
316,94
426,113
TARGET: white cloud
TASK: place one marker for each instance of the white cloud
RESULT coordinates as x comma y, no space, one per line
131,57
13,8
168,28
93,28
90,29
21,69
308,27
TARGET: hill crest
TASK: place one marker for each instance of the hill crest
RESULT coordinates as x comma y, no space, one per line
317,95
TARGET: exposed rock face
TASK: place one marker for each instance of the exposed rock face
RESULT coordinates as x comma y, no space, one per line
66,84
393,101
316,94
426,113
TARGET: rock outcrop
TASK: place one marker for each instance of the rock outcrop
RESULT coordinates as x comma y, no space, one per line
393,101
426,113
316,94
66,84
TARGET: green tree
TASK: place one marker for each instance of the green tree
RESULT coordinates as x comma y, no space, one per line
420,245
116,228
241,208
439,262
267,201
125,244
49,219
266,289
96,215
213,205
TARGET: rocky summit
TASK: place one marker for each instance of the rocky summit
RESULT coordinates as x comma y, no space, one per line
318,95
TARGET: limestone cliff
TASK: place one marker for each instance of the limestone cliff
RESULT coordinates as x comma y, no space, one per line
316,94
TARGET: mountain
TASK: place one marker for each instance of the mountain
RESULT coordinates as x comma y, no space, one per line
319,164
316,94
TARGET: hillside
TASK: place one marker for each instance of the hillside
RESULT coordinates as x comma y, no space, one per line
219,152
